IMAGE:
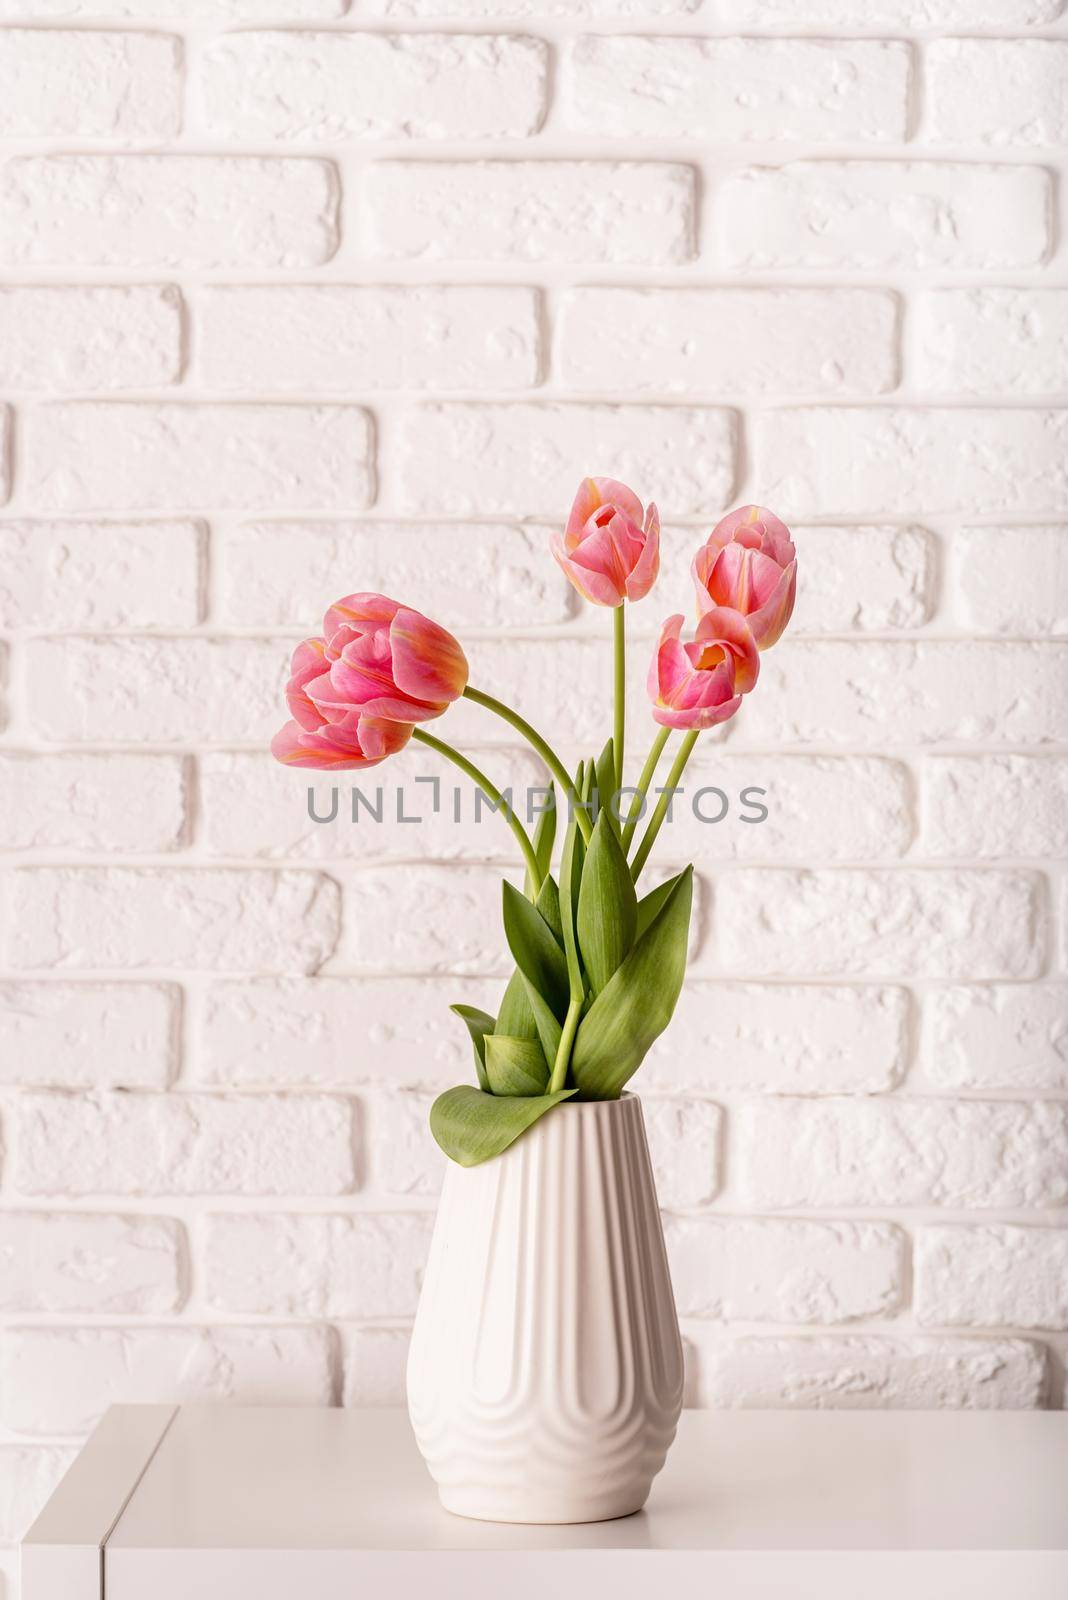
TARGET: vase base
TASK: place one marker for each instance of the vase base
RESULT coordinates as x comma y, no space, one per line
482,1506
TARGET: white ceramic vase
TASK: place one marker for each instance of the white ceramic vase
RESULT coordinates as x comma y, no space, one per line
545,1374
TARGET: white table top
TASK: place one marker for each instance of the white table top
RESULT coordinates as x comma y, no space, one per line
220,1500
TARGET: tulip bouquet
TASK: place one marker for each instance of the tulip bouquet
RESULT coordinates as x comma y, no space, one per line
598,969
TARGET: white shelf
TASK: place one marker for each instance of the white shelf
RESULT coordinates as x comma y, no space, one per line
225,1502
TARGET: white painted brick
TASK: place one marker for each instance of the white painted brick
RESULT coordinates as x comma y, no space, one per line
477,575
180,10
467,10
915,15
995,806
56,84
423,918
183,1144
521,459
1011,580
992,341
362,1264
564,689
404,1158
211,920
863,694
895,924
251,806
966,1154
174,211
5,453
341,338
819,808
28,1475
855,579
204,691
997,1036
92,802
992,1276
74,1261
782,1039
866,215
60,339
99,574
376,1361
732,89
868,1373
746,1270
996,91
685,1138
93,456
328,1032
88,1035
851,461
61,1380
734,341
580,211
330,86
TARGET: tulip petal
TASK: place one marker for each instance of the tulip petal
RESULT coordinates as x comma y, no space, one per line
592,586
594,493
646,569
730,630
769,623
704,717
428,663
366,611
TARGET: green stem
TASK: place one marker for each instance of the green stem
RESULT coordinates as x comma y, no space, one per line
545,750
620,636
493,794
652,760
657,818
563,1053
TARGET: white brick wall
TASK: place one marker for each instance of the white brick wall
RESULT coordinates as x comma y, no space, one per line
291,305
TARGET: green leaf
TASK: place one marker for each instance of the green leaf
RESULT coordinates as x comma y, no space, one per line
478,1023
650,905
548,1028
515,1019
606,784
571,864
548,903
515,1066
534,946
544,838
471,1126
636,1004
607,905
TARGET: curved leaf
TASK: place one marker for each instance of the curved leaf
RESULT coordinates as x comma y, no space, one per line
471,1126
478,1023
636,1004
534,946
515,1018
607,905
548,1028
544,838
515,1066
651,904
606,788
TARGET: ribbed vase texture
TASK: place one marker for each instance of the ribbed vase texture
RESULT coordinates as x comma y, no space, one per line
545,1374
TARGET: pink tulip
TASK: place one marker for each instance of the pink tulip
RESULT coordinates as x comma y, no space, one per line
367,742
699,684
749,564
376,659
610,549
